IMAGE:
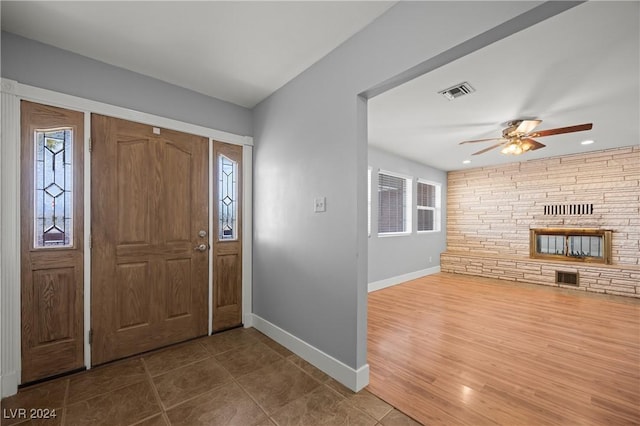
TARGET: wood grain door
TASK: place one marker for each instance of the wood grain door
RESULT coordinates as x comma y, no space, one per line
227,237
149,203
51,241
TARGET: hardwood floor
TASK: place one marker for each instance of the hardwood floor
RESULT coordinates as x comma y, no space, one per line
452,349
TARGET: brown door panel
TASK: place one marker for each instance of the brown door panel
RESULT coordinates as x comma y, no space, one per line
51,268
150,191
227,253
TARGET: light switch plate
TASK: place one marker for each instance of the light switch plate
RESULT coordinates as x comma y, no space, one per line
320,204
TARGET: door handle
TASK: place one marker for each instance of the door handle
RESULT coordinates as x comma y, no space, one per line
202,247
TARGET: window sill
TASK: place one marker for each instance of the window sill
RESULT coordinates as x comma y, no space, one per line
394,234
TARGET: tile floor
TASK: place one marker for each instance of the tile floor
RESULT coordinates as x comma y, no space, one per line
239,377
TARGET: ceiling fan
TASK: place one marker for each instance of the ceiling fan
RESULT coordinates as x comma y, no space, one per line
517,138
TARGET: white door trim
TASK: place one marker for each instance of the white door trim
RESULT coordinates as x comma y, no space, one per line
247,234
10,367
12,93
50,97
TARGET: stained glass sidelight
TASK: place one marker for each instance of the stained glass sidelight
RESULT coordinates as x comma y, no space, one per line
53,188
227,198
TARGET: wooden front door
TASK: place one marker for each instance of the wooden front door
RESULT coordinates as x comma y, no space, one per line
149,216
227,237
51,241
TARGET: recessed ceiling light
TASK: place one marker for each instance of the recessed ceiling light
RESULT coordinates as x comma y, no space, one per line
587,142
466,162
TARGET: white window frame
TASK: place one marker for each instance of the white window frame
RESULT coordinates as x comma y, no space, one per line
408,204
437,210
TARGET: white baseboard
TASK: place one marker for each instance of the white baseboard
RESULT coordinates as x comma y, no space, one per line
351,378
388,282
247,320
9,384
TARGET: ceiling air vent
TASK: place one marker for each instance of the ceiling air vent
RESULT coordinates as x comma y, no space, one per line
456,91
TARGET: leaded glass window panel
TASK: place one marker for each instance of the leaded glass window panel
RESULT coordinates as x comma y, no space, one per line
53,188
227,198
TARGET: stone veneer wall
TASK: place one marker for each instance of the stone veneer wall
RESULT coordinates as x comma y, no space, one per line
491,209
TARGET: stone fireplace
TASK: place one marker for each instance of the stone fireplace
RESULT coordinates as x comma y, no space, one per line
570,221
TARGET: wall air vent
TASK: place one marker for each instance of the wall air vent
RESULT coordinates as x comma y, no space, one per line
456,91
568,209
568,278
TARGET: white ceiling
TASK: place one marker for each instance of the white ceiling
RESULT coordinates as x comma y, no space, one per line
238,51
581,66
577,67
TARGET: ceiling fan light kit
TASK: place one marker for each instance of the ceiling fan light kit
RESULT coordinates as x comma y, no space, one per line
516,147
517,138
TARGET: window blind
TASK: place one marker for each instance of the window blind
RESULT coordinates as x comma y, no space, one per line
428,205
392,203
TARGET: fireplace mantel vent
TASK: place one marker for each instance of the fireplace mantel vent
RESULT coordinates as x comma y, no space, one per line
568,209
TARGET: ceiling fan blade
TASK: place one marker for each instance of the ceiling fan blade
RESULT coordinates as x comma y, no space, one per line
560,130
534,144
483,140
527,126
487,149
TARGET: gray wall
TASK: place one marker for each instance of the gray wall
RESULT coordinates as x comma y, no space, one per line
48,67
397,255
310,269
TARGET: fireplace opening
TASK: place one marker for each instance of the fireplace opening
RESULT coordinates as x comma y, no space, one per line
582,245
